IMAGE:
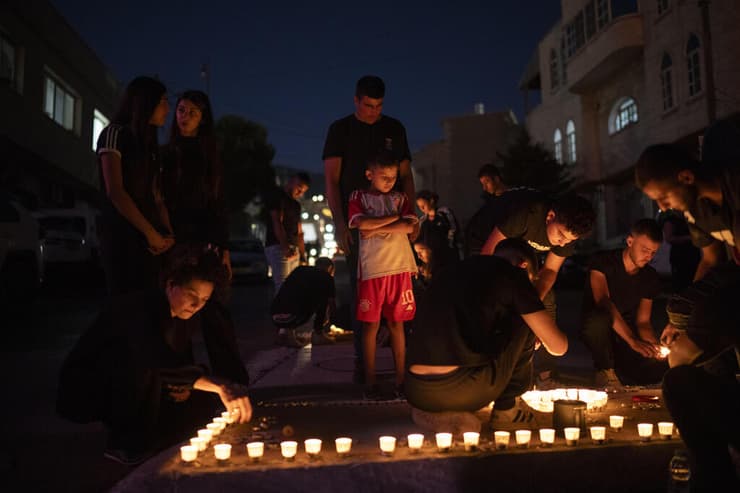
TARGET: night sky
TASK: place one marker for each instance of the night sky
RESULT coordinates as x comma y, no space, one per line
292,66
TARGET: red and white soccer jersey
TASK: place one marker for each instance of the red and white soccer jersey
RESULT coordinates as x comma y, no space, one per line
388,253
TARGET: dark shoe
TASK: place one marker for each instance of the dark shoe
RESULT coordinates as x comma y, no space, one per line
125,457
372,393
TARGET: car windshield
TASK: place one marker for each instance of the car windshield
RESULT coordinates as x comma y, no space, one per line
250,246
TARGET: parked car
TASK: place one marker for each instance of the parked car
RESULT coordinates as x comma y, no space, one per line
248,259
21,252
70,235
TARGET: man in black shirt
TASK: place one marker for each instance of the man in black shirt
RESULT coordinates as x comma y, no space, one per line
471,342
708,194
350,143
284,245
306,297
617,306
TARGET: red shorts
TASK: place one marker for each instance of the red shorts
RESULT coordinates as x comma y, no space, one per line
392,296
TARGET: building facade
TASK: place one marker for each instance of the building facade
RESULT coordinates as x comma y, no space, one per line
450,166
615,76
56,96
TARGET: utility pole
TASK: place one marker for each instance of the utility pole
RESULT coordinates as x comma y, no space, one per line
205,74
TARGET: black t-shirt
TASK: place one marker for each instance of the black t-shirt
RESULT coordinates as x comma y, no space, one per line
518,213
193,191
356,142
304,292
279,200
625,290
709,222
140,175
438,235
466,316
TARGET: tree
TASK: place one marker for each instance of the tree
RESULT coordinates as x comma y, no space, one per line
528,164
246,157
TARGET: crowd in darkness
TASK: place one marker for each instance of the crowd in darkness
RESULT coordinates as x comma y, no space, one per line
466,307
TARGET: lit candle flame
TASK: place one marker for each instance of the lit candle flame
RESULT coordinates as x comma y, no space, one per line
664,351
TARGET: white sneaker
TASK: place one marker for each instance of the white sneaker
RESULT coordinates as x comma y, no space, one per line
608,380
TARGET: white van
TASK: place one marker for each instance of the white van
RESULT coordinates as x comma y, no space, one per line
21,252
70,235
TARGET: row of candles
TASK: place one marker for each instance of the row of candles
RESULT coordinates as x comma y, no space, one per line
471,440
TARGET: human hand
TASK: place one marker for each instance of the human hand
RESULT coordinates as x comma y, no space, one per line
159,244
344,238
290,253
645,348
234,397
178,393
414,233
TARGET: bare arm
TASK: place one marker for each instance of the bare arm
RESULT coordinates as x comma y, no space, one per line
276,217
548,273
301,244
408,187
332,171
493,239
366,223
404,226
644,324
543,326
125,205
233,395
711,255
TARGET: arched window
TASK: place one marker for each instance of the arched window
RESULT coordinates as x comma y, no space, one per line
557,141
570,141
666,81
554,70
623,114
693,61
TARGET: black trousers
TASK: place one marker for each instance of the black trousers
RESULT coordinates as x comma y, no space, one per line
544,361
705,408
608,350
125,259
471,388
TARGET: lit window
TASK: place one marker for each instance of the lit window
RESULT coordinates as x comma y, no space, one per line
557,141
623,114
59,103
662,6
7,61
554,70
99,123
666,81
570,140
694,64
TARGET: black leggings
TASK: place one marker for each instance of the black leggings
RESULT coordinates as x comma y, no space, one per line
471,388
706,408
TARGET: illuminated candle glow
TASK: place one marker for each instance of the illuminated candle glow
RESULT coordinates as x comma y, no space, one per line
221,422
313,446
205,434
523,437
547,436
665,428
188,453
598,434
664,351
571,435
444,441
215,428
200,443
222,451
416,440
501,439
255,450
471,440
343,445
387,444
288,449
645,430
616,422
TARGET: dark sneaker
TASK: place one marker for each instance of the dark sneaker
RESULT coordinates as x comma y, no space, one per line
372,393
125,457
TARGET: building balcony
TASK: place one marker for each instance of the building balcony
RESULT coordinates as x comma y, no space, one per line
613,48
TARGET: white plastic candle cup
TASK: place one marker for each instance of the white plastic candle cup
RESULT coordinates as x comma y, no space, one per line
471,440
313,446
255,450
665,428
598,434
547,437
444,441
501,439
289,449
387,445
416,440
344,445
571,435
200,443
221,422
572,394
205,434
188,453
645,430
227,416
616,422
215,428
222,451
523,437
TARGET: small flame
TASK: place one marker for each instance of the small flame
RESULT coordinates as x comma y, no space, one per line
664,351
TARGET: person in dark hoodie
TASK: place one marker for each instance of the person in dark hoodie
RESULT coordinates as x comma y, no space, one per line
701,390
134,368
